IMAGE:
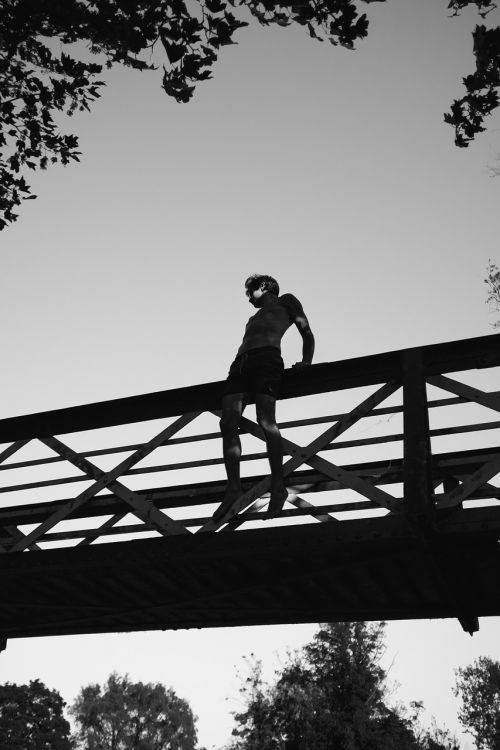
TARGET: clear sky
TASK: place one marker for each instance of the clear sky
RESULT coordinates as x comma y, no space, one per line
331,170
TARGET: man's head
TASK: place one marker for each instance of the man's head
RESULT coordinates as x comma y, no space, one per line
257,285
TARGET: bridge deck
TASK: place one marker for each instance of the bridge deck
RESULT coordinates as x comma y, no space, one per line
381,523
355,570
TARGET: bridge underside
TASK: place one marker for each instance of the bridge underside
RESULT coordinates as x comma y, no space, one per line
363,569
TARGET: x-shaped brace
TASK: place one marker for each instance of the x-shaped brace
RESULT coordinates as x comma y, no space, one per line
308,455
143,509
293,499
13,530
488,470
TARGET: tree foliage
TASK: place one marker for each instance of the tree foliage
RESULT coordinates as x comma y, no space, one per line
39,79
125,715
31,718
331,694
478,687
493,282
468,113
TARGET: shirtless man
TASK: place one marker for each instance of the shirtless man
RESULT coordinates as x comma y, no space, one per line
257,370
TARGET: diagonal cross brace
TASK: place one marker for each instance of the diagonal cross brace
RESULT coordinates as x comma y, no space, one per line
302,455
8,452
143,509
106,525
332,471
475,480
293,499
351,481
16,534
487,471
4,455
490,400
316,512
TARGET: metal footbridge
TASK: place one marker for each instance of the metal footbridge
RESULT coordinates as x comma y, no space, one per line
392,464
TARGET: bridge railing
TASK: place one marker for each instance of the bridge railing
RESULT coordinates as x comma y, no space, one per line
73,477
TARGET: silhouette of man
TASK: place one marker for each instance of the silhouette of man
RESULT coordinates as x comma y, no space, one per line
257,370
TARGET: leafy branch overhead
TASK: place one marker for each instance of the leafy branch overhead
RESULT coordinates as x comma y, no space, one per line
36,82
468,113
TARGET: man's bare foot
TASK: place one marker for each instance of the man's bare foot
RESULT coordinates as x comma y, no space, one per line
229,499
276,503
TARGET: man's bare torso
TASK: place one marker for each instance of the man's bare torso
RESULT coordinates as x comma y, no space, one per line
266,327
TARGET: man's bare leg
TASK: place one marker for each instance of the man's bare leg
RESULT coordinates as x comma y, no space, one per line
232,409
266,417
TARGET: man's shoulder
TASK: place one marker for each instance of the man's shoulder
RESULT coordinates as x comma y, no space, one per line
291,303
289,299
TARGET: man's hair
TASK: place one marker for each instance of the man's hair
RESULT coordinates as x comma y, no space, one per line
258,279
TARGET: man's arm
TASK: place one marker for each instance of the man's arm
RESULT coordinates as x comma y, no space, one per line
307,341
300,319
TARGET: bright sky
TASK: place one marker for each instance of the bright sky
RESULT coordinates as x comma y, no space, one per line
331,170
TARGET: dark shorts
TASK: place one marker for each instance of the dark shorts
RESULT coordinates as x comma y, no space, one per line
256,371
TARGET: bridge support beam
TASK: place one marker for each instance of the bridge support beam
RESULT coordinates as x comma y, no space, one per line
419,502
417,469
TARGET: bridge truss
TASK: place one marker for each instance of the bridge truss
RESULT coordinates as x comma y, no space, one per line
380,522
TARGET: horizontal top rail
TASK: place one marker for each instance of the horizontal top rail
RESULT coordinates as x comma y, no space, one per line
454,356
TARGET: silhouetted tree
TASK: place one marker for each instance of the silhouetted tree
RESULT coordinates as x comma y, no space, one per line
125,715
330,695
31,718
478,687
437,738
36,81
493,282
